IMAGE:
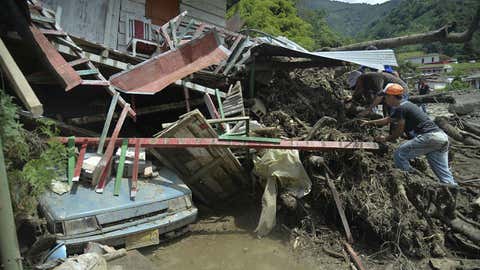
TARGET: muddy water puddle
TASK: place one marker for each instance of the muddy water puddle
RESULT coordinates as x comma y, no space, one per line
225,242
225,251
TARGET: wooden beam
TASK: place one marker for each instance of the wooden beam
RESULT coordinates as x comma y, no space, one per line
116,64
78,62
53,32
81,157
140,111
121,165
87,72
42,19
68,77
133,190
106,126
169,143
233,59
95,82
71,159
199,88
19,82
99,174
232,49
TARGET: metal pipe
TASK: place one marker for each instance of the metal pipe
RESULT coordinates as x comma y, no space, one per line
10,254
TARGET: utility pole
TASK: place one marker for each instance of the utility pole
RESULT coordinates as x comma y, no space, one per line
10,255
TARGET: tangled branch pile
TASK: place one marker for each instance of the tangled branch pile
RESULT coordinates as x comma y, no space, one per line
409,214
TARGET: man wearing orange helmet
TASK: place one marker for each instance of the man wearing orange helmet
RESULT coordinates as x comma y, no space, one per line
426,138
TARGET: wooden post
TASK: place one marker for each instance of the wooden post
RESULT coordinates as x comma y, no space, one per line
121,164
219,101
19,82
81,156
71,159
9,252
106,126
187,98
99,174
134,189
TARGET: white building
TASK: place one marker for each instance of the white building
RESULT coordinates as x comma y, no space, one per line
425,59
435,69
473,80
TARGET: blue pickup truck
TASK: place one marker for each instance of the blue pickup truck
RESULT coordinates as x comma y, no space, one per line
163,206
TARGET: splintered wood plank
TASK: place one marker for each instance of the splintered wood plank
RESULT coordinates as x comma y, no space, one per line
67,76
78,62
87,72
52,32
18,82
95,82
78,167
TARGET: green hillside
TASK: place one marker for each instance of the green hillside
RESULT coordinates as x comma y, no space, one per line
414,16
401,17
349,20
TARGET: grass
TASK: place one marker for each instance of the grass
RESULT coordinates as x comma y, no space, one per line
465,68
405,55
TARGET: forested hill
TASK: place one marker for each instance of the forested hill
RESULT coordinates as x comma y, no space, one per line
350,20
414,16
400,17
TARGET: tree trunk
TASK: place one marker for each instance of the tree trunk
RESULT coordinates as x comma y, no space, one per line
432,98
442,122
441,34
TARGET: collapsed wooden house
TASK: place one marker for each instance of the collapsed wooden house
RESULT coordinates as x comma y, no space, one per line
83,58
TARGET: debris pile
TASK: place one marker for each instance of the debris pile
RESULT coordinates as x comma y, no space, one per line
410,214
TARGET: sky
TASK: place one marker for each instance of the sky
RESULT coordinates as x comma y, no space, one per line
364,1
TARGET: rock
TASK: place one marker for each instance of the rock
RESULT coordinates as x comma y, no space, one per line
88,261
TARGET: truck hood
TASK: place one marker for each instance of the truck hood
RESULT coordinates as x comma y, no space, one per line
83,201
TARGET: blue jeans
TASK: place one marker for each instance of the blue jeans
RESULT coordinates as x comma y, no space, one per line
424,107
435,146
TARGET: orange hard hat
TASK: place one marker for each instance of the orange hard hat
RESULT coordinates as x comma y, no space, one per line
393,89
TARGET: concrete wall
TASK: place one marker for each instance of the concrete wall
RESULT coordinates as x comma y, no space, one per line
209,11
82,18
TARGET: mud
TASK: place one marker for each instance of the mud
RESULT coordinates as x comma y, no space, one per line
398,221
225,240
401,218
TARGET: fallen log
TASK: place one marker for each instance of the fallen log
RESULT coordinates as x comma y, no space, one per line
472,128
442,122
354,256
432,98
324,121
340,209
442,34
467,229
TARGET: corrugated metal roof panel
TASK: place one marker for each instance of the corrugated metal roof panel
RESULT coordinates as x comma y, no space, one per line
370,58
376,59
